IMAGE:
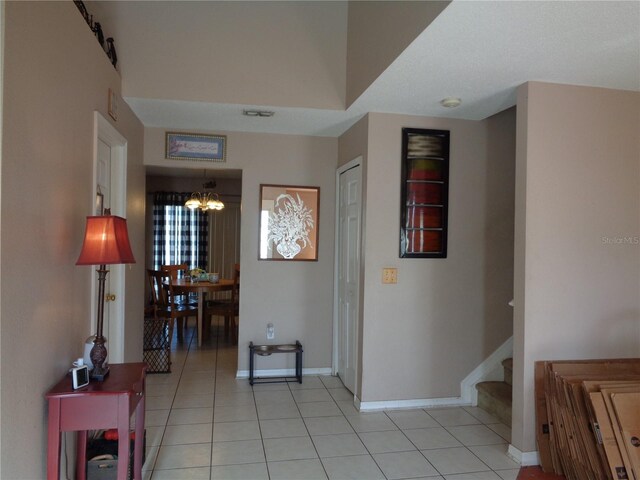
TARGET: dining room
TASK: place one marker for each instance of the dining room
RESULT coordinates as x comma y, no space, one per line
205,239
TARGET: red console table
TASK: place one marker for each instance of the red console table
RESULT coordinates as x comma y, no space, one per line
99,405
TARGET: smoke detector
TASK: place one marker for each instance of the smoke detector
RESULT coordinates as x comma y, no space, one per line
451,102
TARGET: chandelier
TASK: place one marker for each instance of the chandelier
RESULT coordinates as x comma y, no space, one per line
205,200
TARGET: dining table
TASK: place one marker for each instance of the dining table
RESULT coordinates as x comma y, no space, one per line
184,286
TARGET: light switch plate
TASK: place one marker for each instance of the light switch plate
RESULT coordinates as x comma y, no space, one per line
389,275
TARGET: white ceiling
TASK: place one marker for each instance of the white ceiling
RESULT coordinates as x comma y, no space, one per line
480,51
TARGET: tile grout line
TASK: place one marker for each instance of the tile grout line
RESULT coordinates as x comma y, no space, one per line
412,443
264,450
307,429
189,345
213,399
166,424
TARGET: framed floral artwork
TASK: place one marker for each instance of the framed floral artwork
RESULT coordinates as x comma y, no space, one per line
289,222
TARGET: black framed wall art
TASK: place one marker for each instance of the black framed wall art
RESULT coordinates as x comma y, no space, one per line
425,193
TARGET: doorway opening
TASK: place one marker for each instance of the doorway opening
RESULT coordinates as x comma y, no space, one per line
211,244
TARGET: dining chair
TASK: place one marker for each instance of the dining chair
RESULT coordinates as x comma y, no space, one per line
176,271
228,307
165,304
180,271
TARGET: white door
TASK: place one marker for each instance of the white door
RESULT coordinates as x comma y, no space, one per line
349,217
103,187
110,180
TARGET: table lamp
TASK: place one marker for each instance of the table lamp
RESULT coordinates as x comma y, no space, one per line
106,242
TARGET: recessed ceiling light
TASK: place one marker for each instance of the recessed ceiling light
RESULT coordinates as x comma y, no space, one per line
450,102
258,113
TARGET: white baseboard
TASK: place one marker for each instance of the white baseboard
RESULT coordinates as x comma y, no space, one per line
283,372
525,459
414,403
480,373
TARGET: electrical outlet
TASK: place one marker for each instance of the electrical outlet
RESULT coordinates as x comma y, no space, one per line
389,275
271,332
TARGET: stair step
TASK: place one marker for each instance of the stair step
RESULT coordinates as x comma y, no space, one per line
495,398
507,365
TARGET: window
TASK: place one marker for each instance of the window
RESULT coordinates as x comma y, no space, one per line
180,235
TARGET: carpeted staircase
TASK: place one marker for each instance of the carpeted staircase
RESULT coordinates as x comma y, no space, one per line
495,397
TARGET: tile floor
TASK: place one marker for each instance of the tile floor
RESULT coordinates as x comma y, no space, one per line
203,423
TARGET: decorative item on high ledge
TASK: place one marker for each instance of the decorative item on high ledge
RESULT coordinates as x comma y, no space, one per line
188,146
289,222
111,52
96,28
106,242
425,191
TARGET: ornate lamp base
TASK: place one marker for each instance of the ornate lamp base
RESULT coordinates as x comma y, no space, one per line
99,375
98,356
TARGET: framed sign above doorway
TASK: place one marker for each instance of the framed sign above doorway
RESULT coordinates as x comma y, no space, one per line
188,146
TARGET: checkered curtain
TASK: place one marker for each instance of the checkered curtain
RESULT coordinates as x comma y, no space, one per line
180,235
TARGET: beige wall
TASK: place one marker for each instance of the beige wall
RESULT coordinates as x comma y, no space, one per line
241,56
55,77
377,33
500,212
227,188
2,16
297,297
438,312
577,280
354,142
